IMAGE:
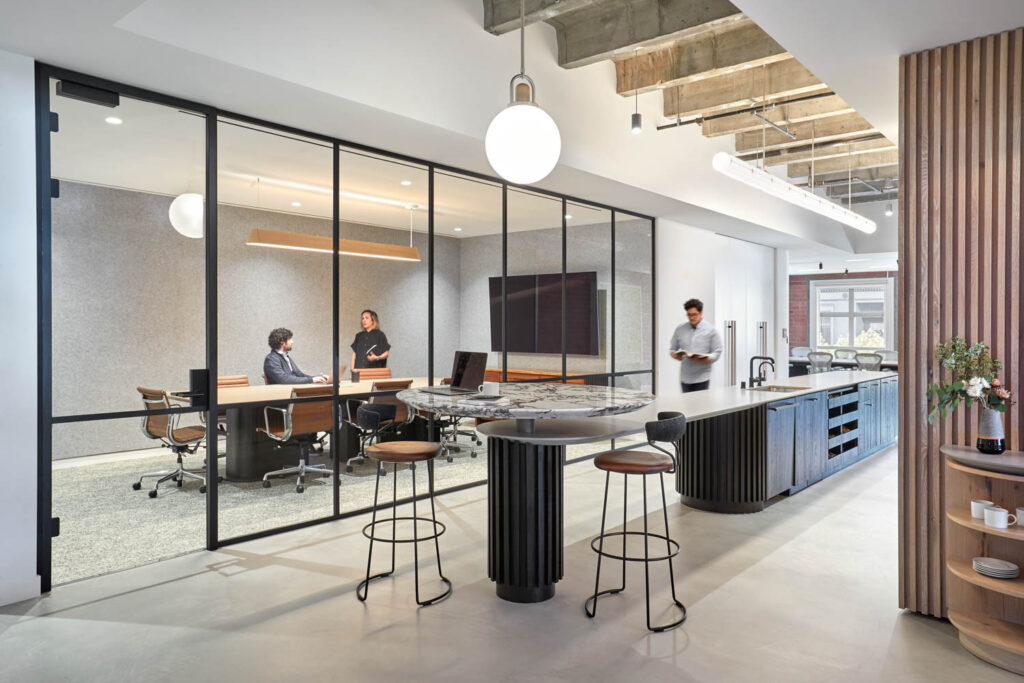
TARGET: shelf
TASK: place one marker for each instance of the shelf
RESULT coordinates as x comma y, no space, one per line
994,640
962,517
963,569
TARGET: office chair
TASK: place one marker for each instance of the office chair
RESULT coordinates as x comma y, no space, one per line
820,362
226,381
373,373
299,423
164,428
845,354
450,432
800,351
377,417
869,361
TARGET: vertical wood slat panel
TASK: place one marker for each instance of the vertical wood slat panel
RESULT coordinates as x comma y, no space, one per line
961,142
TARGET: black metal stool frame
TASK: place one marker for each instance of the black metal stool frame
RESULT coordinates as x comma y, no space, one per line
439,528
671,547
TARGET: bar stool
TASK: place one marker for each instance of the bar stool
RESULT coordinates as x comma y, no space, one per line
395,453
668,428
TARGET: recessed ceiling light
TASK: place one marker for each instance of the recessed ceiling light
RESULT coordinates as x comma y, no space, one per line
568,216
406,183
296,203
113,120
457,229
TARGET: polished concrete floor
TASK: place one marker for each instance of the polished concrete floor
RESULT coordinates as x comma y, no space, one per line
805,591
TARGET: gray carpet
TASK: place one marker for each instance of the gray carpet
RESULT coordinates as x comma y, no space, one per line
106,526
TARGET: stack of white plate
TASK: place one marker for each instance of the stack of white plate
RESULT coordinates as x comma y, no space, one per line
997,569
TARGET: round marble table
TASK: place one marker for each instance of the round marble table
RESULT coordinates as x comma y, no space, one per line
525,458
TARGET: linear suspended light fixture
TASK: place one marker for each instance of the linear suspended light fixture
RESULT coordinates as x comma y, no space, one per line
736,169
296,241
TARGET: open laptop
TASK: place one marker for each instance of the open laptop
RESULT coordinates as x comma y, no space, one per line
467,374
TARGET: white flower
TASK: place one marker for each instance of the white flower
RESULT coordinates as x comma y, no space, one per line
976,386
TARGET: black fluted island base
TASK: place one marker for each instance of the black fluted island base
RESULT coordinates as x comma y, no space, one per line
525,549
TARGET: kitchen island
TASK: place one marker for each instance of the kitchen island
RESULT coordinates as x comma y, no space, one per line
743,447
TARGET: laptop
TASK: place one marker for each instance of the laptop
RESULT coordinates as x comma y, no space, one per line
467,375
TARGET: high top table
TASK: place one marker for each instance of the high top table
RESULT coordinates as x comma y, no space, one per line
525,458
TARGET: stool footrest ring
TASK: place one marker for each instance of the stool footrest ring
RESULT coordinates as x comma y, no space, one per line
439,528
629,558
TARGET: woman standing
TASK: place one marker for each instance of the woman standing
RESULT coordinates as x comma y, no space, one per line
370,348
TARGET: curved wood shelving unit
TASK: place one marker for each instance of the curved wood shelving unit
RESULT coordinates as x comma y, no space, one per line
987,612
962,516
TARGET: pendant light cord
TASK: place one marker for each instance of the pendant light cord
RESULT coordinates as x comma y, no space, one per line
636,81
522,37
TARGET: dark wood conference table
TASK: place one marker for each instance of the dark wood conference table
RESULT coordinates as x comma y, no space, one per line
250,453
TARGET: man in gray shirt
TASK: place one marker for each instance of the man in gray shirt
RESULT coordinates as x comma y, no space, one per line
695,337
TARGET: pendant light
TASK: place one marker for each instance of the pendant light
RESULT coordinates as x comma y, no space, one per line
186,214
522,142
637,125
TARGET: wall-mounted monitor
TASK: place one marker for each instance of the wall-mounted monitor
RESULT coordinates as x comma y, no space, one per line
535,313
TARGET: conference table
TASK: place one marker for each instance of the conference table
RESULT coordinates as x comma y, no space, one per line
526,441
250,453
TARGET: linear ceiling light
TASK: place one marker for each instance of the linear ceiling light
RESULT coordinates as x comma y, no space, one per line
300,242
729,165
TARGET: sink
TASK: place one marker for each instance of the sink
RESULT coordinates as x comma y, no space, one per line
778,388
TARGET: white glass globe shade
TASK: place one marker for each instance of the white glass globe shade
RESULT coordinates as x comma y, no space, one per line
523,143
186,214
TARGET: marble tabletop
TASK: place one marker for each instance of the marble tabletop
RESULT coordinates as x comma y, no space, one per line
526,401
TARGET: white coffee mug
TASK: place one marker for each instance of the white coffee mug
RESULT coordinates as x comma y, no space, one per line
998,518
491,389
978,508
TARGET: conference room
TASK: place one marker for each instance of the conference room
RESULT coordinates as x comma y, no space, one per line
333,246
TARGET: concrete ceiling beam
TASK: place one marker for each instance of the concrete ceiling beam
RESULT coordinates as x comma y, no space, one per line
745,88
826,130
784,114
741,45
611,29
841,164
502,16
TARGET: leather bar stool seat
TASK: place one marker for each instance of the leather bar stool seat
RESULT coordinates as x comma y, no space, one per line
404,451
633,462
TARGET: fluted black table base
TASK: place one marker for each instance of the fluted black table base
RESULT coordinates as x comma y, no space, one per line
524,552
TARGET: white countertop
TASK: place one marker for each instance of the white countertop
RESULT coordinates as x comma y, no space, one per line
699,405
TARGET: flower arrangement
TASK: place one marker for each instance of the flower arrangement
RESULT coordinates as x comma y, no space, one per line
973,371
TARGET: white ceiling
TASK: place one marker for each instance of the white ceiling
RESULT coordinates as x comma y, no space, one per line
855,46
161,150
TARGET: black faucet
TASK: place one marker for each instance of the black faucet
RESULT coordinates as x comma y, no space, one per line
760,379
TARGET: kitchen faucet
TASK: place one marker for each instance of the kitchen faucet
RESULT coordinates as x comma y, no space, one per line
760,379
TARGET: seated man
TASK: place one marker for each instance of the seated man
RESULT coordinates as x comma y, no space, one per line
279,368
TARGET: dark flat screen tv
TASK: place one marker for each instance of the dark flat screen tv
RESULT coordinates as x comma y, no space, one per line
535,313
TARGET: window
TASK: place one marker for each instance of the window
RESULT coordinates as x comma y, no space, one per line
856,314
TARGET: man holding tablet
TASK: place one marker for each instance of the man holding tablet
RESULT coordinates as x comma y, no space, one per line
696,344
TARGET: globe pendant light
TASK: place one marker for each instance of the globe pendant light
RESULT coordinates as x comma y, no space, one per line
522,142
186,214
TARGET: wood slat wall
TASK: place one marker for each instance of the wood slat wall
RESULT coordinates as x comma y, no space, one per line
960,260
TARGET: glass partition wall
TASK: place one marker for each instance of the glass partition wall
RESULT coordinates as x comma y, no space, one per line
301,235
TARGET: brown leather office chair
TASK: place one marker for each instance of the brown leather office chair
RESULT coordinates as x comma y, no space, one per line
299,423
382,414
164,428
233,381
373,373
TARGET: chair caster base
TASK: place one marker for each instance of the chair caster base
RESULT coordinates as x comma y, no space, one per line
348,468
299,489
152,494
202,489
266,483
136,486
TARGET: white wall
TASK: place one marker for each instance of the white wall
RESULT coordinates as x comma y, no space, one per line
735,280
18,579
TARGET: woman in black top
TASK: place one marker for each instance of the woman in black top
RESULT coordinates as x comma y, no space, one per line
370,348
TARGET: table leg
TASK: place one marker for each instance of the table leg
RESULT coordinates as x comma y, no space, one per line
525,526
